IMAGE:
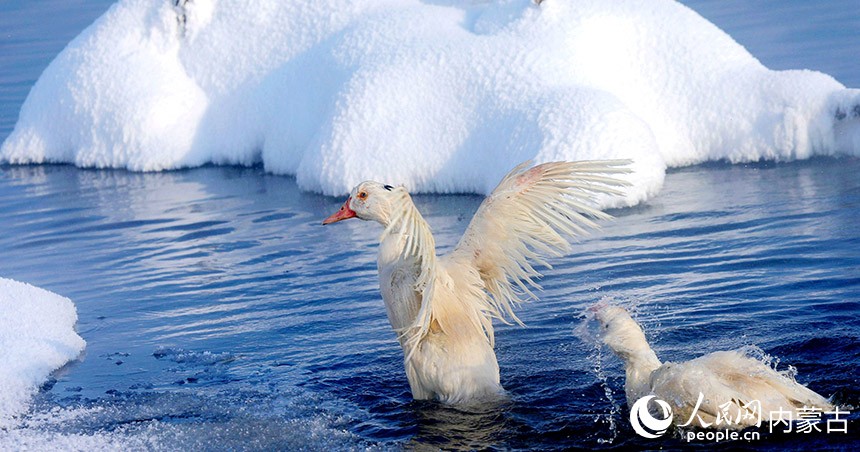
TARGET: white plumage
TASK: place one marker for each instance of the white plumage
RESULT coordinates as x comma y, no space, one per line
730,381
442,307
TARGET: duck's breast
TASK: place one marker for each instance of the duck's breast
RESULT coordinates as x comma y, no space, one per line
454,370
398,275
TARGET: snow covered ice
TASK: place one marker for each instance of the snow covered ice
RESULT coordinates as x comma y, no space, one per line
37,336
440,96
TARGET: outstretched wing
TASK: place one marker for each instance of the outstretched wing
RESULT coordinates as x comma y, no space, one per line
527,218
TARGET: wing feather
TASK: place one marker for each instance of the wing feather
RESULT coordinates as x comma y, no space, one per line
528,218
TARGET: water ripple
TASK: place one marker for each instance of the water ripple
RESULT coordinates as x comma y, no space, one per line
169,269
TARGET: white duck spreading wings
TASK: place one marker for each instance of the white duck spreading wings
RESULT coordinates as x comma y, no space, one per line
442,307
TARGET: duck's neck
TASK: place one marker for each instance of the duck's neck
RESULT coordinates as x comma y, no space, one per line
406,262
407,229
640,362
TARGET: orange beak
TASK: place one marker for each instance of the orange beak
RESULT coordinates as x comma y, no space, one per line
344,213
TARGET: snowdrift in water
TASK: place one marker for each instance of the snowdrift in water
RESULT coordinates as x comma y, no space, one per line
37,336
440,96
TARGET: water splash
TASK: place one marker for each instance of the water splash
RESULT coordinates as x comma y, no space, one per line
589,332
615,407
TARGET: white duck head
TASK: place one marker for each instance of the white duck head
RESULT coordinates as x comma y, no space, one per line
621,333
624,336
370,200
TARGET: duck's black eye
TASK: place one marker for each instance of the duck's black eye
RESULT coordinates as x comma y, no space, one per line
388,187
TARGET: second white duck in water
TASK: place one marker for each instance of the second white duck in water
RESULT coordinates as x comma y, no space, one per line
442,308
722,389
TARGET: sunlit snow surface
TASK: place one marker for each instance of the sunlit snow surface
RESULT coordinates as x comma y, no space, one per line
440,96
37,336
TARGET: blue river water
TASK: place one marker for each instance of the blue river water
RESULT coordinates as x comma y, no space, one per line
220,315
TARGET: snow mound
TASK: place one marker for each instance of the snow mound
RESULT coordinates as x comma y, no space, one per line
440,96
37,336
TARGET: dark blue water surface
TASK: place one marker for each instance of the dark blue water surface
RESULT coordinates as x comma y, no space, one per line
219,314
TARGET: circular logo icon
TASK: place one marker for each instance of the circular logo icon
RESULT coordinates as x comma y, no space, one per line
644,423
